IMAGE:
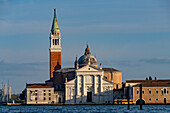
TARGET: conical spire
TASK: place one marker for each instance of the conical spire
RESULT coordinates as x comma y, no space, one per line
55,23
87,51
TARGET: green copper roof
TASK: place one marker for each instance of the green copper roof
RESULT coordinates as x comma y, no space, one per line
55,23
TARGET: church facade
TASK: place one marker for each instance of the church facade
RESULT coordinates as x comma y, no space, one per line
86,82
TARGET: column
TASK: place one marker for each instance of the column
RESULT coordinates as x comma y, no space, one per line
84,85
101,83
95,84
66,93
78,85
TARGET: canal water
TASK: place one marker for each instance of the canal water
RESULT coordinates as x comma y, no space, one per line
86,109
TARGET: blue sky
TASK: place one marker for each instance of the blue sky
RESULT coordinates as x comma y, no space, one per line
130,35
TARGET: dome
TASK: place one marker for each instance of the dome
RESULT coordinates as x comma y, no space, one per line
87,58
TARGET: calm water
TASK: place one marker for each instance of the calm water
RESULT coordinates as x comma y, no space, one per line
86,109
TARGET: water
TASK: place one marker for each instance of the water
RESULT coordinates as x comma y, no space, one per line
86,109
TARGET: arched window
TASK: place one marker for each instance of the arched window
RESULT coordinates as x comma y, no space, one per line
53,41
149,91
56,41
117,86
137,91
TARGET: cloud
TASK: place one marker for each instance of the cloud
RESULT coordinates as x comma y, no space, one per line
116,28
30,27
157,61
8,68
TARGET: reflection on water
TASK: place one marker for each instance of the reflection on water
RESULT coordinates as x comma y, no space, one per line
86,109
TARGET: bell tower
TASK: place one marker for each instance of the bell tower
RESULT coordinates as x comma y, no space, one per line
55,46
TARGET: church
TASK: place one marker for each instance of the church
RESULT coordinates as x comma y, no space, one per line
86,82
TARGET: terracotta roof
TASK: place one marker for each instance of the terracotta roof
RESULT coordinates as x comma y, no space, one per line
109,69
158,84
39,86
141,81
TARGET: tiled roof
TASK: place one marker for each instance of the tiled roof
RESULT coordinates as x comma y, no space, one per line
141,81
109,69
158,84
39,86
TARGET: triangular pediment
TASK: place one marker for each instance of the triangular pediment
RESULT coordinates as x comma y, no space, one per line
88,68
70,82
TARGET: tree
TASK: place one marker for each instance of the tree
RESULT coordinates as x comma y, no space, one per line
150,78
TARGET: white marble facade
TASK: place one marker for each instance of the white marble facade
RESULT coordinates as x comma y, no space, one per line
89,87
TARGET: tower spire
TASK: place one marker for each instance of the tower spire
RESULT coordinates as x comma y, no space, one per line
55,23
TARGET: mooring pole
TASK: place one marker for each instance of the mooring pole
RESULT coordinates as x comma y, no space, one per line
128,97
140,96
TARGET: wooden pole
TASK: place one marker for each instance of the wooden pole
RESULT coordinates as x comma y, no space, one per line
128,97
140,96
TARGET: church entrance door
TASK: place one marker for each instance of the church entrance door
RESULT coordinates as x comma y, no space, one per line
89,96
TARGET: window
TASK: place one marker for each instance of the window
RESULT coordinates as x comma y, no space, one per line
143,91
164,91
35,98
149,91
156,91
49,90
137,91
44,90
56,41
150,99
156,99
167,91
53,41
117,86
35,90
44,98
35,94
49,94
49,98
44,94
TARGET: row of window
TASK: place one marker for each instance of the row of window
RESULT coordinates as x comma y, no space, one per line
44,90
163,91
44,94
55,41
43,99
156,99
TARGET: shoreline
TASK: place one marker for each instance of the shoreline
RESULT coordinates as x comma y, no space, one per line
63,104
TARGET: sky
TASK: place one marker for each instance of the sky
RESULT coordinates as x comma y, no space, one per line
132,36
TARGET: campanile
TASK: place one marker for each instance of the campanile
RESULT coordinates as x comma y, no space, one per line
55,46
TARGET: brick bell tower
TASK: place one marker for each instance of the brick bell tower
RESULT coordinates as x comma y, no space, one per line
55,46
